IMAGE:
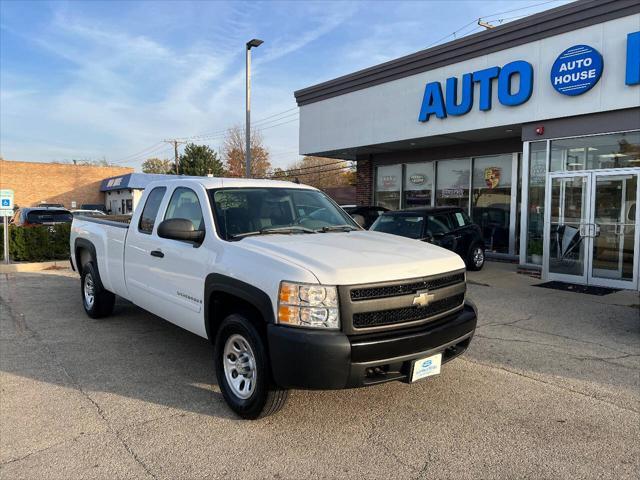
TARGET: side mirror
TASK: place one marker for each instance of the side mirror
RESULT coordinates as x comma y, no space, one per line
359,219
180,229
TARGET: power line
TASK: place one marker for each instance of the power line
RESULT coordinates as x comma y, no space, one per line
293,171
518,9
264,121
152,147
279,175
487,18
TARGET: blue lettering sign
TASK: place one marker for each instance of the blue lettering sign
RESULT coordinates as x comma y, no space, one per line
525,72
576,70
485,78
432,102
453,107
633,59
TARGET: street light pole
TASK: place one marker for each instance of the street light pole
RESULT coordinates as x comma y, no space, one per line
251,43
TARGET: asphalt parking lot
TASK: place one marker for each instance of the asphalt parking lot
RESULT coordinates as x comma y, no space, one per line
550,388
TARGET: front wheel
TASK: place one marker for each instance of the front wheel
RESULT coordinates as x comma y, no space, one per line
475,258
242,368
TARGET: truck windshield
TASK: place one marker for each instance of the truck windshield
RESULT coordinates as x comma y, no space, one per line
242,212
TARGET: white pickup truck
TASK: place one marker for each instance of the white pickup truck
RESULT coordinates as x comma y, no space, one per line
289,289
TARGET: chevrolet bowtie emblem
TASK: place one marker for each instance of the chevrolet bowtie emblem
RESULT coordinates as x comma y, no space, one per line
423,298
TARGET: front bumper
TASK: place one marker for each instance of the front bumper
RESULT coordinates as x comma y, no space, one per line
311,359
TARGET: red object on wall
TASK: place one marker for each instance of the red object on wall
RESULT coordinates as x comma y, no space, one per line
540,130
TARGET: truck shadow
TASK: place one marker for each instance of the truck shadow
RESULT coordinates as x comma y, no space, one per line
48,337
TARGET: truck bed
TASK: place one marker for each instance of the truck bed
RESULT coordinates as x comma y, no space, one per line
107,235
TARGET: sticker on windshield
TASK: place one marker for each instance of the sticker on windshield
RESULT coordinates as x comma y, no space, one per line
460,219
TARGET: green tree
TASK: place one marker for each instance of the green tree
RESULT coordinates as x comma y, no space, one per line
157,165
200,160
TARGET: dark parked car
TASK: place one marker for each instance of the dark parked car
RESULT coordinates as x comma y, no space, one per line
369,213
41,216
448,227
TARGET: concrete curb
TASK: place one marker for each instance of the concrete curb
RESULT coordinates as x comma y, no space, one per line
34,267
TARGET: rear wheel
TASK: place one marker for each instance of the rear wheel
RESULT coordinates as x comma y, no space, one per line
242,368
97,301
475,258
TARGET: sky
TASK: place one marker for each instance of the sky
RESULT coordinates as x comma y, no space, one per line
91,80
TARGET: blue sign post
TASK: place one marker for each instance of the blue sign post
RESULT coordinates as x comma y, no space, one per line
576,70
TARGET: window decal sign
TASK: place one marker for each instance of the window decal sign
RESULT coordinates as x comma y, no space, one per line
492,176
417,179
576,70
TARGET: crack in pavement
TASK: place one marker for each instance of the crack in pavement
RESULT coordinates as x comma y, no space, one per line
49,447
373,441
552,385
588,357
33,334
512,324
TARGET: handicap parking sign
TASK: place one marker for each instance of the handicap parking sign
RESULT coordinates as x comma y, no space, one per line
6,203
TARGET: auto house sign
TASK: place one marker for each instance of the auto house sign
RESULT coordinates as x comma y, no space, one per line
576,70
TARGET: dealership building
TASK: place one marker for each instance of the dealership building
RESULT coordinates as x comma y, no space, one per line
532,127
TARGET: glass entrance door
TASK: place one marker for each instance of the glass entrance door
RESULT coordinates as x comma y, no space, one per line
591,228
566,227
614,252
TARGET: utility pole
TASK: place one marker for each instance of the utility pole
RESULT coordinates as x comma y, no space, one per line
251,43
175,150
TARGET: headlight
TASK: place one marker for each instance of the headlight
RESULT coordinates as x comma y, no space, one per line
308,305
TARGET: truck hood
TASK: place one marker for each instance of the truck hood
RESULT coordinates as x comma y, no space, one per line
348,258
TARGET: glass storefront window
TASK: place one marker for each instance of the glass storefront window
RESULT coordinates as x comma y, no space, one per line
491,200
618,150
453,183
418,184
388,182
535,220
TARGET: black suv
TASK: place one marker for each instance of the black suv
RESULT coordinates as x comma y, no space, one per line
41,216
448,227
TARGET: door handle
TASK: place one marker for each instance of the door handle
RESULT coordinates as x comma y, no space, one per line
157,253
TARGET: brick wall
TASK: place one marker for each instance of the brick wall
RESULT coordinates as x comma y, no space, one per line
34,183
364,182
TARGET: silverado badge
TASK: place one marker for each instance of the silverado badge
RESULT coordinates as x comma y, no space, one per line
423,298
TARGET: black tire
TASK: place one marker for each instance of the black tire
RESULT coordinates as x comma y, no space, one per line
475,258
265,398
103,300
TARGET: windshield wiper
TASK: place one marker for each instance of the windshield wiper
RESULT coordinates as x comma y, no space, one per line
274,230
337,228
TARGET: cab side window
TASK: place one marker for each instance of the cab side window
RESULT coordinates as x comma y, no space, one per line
184,203
150,211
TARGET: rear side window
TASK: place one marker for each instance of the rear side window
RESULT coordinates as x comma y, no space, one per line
438,225
403,225
150,211
184,203
49,216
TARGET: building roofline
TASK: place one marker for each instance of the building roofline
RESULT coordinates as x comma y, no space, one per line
548,23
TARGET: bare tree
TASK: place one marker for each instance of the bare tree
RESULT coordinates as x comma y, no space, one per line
319,172
233,152
157,165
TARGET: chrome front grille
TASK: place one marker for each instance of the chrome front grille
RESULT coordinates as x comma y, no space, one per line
391,305
385,291
406,314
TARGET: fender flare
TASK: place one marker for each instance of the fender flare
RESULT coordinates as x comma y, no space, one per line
84,243
216,282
